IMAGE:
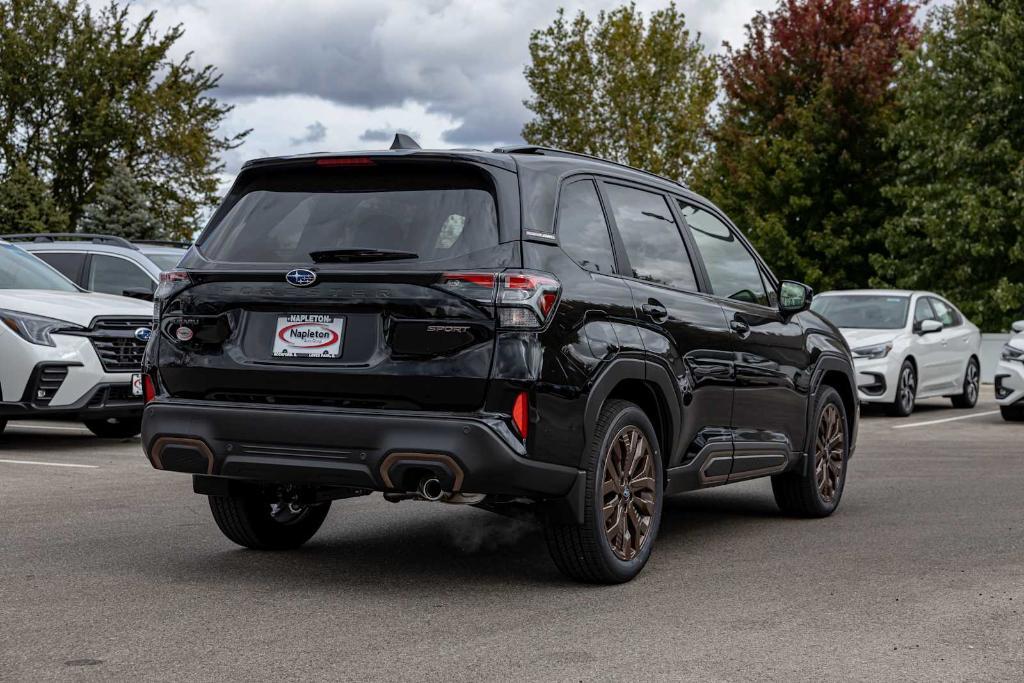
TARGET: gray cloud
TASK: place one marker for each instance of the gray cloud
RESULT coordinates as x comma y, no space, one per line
315,132
460,58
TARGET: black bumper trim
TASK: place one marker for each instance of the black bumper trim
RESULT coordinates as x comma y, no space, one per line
80,409
347,448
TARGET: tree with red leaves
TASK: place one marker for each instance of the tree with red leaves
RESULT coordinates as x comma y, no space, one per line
798,157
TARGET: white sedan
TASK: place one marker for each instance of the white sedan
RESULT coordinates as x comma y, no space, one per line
1010,377
906,345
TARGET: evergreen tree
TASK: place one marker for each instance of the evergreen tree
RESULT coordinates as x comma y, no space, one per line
960,181
26,204
121,208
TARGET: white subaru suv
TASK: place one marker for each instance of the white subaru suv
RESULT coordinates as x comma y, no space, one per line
906,345
1010,377
66,353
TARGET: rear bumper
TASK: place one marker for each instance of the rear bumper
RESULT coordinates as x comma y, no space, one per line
377,450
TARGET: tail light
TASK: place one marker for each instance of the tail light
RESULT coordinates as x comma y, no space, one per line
525,300
521,414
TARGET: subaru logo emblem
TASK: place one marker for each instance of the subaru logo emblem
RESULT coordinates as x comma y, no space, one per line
300,277
143,334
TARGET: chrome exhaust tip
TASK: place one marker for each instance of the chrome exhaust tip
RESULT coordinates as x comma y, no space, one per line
430,489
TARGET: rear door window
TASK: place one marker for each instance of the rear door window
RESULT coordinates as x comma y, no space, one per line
301,216
68,263
113,275
732,269
582,229
653,243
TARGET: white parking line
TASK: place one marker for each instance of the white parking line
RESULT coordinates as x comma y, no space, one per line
49,464
947,419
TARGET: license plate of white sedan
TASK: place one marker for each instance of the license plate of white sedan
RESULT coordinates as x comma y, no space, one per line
308,336
136,384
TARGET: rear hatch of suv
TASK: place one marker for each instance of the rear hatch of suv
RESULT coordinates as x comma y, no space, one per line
363,282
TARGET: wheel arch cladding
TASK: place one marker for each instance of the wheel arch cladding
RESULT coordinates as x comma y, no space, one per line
648,399
641,382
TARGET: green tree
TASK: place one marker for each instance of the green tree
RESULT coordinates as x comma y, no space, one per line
798,156
121,208
82,90
26,204
960,181
621,88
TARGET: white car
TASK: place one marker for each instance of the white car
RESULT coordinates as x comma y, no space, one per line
66,353
906,345
1010,377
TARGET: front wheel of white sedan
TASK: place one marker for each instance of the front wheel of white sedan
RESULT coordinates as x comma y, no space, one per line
906,391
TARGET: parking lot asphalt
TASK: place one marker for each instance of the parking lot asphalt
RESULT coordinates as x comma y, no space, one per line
111,570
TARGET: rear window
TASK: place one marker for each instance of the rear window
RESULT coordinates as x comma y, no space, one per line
430,213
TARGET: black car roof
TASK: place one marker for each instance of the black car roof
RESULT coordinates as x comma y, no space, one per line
540,169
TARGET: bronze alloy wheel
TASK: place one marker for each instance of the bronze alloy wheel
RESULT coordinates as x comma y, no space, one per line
829,451
628,492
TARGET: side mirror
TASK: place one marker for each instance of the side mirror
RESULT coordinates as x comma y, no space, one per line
794,297
138,293
1018,326
929,327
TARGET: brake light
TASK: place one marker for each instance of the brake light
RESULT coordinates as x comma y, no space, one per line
524,299
345,161
148,388
521,414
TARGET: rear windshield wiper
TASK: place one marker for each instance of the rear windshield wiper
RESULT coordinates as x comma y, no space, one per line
352,255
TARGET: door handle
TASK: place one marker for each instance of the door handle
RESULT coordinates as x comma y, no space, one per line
655,310
739,327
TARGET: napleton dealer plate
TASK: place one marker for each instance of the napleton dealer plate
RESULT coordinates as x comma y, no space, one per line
308,336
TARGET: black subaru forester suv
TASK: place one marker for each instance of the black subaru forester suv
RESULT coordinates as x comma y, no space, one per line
521,330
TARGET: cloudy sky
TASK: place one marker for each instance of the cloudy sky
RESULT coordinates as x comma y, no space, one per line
311,75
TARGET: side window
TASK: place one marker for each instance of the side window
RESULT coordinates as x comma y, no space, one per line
732,269
112,275
944,313
70,265
923,311
653,244
582,229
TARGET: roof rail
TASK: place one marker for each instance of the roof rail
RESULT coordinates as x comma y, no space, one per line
555,152
71,237
164,243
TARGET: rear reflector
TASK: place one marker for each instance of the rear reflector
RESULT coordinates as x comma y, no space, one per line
521,414
346,161
148,388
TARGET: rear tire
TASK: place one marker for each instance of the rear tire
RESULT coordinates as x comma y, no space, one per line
972,380
1012,413
253,521
622,510
115,428
906,391
816,489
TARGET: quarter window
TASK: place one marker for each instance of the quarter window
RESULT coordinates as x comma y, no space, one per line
652,239
112,275
582,229
732,269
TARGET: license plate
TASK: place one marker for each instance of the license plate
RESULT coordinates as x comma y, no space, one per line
136,384
308,336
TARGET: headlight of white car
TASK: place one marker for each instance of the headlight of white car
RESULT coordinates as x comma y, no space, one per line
873,352
1012,353
35,328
